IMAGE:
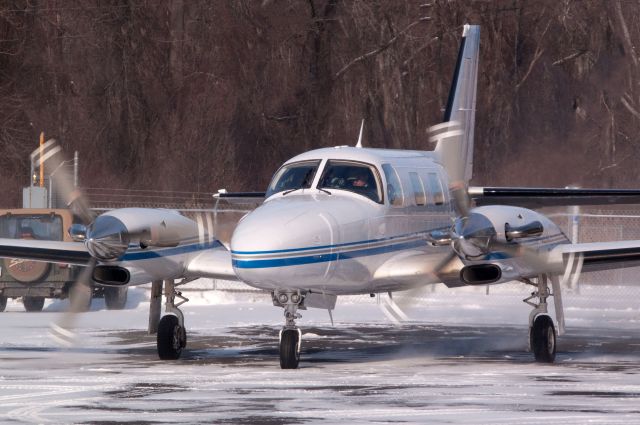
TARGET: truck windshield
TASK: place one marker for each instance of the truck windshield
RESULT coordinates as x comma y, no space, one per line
298,175
41,226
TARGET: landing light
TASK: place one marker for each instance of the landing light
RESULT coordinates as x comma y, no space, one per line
283,298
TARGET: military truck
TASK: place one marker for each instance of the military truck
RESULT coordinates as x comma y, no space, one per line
33,281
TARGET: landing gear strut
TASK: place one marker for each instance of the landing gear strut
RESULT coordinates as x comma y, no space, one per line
172,335
290,335
542,333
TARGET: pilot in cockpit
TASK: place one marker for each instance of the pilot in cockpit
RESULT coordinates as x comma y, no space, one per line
360,181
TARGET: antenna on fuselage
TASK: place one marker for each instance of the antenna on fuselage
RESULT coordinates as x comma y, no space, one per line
359,144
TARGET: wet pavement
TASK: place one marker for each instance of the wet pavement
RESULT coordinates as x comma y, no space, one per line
353,372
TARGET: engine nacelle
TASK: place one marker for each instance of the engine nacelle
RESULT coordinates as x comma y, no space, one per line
479,234
111,234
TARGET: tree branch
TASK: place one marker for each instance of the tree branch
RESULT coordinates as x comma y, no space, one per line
380,49
536,56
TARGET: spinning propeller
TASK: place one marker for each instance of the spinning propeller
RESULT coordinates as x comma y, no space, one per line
473,236
51,158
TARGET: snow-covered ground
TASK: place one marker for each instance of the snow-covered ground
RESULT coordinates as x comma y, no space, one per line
462,359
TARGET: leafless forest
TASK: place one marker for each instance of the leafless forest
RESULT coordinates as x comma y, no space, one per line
197,94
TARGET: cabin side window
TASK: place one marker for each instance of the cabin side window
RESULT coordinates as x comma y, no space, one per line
394,188
354,177
418,189
435,187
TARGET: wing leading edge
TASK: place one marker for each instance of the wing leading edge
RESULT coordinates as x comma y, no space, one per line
73,253
598,256
530,197
214,263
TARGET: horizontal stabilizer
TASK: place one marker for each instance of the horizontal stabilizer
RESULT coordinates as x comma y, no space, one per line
256,195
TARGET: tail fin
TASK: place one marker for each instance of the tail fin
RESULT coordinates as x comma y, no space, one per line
461,106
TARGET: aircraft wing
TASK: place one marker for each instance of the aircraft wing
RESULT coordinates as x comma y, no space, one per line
530,197
409,268
74,253
602,255
214,263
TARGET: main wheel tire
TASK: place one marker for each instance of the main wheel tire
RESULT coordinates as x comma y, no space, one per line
33,303
172,338
3,303
289,353
115,298
80,298
543,339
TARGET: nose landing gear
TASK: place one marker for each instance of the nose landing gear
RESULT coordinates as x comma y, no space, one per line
290,335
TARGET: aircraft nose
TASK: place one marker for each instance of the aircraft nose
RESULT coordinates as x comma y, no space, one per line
268,247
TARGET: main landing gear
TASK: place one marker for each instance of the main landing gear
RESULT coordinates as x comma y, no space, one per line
290,335
171,333
542,332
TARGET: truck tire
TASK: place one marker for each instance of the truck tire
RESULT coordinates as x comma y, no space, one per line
33,303
115,298
3,303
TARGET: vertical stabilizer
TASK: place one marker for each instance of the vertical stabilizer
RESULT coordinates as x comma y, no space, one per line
461,106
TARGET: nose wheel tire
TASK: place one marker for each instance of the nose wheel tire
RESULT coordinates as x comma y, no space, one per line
172,338
543,339
33,303
289,348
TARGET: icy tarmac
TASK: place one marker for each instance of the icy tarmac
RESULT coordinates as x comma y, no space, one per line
463,361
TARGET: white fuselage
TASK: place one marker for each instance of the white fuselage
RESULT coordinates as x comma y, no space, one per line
335,240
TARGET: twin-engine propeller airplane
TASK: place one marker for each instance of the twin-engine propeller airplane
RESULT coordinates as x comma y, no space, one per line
353,220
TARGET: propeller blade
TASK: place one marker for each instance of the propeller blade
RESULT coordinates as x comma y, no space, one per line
449,136
80,295
52,158
408,299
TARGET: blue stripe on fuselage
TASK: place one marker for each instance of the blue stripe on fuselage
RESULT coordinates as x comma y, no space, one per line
296,261
340,245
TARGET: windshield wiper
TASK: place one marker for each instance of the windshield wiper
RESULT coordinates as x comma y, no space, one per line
298,188
292,190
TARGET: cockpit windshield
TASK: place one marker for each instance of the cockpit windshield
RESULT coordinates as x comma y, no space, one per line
297,175
352,176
